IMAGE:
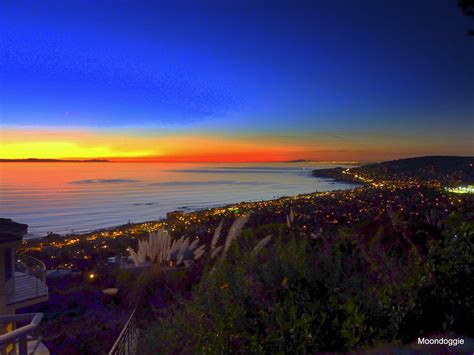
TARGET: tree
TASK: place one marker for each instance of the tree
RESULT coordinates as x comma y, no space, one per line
467,7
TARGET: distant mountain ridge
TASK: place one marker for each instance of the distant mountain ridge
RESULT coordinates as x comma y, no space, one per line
446,169
34,160
425,167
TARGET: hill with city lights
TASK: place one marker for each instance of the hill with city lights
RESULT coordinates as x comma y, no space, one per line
431,170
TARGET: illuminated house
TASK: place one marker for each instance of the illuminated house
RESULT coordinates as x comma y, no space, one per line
22,283
174,214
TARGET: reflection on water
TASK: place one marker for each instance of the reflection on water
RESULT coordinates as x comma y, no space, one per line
79,197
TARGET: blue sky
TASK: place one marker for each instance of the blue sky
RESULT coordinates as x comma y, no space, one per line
240,68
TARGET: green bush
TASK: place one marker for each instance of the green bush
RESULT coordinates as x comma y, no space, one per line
337,293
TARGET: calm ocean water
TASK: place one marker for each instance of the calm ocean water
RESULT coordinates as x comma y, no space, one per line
80,197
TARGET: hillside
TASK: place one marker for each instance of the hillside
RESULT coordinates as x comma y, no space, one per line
444,170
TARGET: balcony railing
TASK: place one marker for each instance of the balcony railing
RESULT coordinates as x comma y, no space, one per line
127,341
28,280
22,340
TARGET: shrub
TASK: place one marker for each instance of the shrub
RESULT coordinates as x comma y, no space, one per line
355,290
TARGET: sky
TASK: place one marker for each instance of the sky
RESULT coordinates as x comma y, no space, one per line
239,81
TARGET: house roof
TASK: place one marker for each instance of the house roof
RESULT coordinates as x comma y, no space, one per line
11,231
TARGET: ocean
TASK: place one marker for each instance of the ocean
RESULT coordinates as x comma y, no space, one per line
80,197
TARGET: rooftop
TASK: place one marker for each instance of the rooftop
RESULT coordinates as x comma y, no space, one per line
11,231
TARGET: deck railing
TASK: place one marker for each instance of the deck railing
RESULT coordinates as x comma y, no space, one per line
22,340
127,341
28,280
31,266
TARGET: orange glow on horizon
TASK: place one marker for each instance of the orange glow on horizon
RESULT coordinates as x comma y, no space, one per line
194,148
43,144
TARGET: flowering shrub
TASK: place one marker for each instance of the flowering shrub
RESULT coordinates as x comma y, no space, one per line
159,249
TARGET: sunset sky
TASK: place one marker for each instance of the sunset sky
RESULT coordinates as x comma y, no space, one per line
221,81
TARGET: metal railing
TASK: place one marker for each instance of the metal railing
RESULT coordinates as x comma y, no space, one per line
28,280
17,340
30,265
127,341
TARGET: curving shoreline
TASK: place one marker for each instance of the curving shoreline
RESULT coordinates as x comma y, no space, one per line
375,191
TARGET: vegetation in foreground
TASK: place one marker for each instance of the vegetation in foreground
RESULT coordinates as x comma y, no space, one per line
387,281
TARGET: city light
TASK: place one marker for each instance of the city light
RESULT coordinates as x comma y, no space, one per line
469,189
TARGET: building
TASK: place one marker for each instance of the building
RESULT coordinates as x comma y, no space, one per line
22,283
174,214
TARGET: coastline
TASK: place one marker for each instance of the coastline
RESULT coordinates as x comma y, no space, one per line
384,175
325,211
164,220
97,197
92,250
318,214
347,185
336,174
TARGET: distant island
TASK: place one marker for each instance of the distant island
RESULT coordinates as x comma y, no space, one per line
34,160
299,161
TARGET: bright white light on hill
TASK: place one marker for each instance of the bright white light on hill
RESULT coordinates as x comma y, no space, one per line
462,189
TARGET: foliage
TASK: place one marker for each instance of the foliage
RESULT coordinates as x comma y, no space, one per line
159,249
278,290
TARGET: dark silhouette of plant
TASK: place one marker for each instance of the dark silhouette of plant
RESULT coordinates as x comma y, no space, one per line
467,7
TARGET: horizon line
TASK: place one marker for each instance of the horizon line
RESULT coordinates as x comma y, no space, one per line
139,160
